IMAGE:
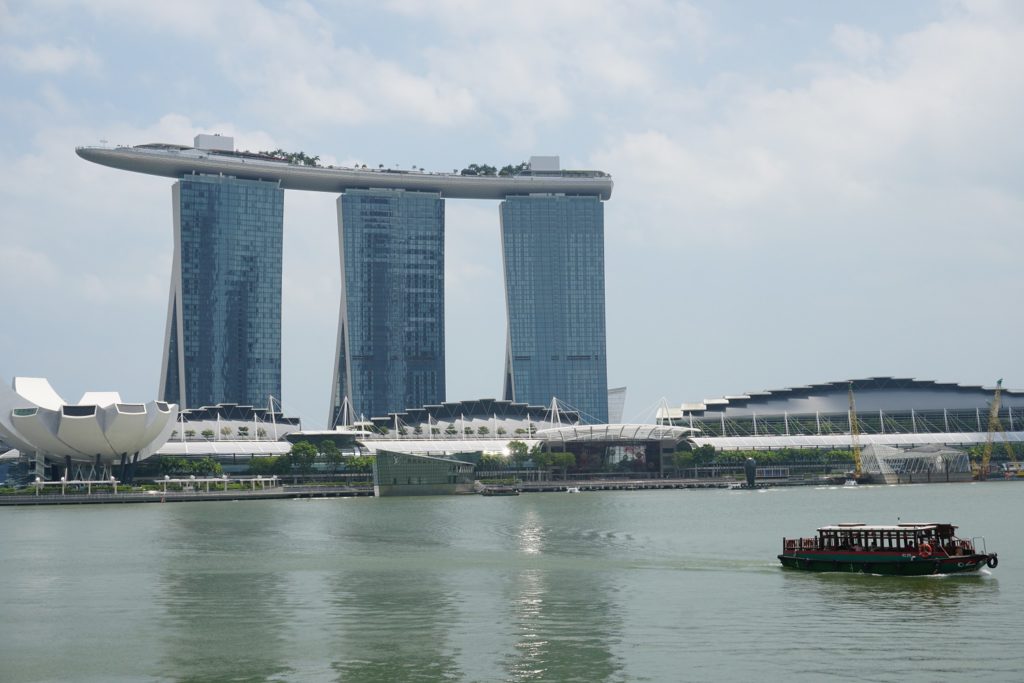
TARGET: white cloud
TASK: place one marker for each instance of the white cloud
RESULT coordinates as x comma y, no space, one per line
848,140
27,272
51,59
856,43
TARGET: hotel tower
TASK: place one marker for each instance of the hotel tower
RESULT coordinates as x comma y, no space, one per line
223,335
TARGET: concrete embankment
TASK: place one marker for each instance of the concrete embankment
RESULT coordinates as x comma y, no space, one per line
352,491
650,484
187,496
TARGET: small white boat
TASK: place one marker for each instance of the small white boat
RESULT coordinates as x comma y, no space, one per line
573,489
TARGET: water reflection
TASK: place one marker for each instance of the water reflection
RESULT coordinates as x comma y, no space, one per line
875,615
933,597
394,614
564,621
530,534
216,596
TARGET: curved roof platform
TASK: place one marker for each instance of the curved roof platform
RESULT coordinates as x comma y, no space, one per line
35,419
620,433
174,161
442,446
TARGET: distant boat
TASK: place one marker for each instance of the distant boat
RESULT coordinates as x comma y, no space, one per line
499,491
573,489
901,549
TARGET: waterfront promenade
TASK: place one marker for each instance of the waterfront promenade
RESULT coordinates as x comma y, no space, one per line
343,491
187,496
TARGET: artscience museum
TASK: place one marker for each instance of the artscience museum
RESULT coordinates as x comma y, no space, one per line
98,437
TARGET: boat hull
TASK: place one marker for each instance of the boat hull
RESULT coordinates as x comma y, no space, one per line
886,565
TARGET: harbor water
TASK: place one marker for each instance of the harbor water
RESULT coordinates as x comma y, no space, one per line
609,586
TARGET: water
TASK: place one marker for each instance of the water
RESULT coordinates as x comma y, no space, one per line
613,586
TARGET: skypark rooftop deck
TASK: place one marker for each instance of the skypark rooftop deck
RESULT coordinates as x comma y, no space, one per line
174,161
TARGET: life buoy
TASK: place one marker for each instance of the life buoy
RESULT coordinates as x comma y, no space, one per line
993,562
808,543
790,545
925,550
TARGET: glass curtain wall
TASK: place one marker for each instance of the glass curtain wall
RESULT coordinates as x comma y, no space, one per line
553,252
390,352
223,341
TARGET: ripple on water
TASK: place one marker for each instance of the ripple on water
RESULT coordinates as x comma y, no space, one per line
604,587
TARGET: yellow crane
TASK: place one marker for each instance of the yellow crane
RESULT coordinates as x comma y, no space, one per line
854,435
994,427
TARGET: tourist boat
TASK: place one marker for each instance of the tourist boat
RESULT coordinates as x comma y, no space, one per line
499,491
901,549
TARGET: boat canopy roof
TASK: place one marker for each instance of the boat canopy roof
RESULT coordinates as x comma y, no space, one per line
909,526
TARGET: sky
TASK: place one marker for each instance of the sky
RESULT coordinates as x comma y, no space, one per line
804,192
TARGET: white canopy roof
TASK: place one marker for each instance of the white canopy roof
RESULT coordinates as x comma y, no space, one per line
615,432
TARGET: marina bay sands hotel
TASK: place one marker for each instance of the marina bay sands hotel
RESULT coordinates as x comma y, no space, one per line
223,339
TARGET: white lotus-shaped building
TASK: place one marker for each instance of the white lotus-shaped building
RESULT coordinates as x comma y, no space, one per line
98,432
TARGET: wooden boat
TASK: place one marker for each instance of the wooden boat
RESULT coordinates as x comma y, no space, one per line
901,549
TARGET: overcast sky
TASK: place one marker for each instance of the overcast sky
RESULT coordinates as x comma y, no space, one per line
804,191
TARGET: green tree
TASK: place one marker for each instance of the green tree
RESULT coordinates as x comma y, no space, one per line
513,170
300,158
207,467
562,460
490,462
541,459
682,460
243,432
501,431
359,463
190,433
518,452
225,431
331,455
483,431
189,466
207,434
264,465
704,455
303,455
479,169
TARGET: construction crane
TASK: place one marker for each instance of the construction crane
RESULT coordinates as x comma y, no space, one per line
854,435
994,427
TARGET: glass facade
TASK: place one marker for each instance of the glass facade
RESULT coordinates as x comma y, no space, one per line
553,251
223,341
406,474
390,352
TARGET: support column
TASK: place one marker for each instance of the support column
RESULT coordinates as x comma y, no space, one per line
131,469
